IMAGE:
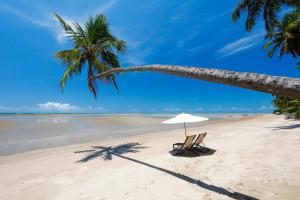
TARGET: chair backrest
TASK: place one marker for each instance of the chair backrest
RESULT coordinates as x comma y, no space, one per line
200,139
188,143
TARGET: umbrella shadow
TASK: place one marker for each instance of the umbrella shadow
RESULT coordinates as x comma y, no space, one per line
194,153
107,153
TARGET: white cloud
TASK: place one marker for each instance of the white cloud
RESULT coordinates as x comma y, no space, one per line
134,55
23,16
195,50
45,21
134,59
3,108
60,33
181,12
240,45
52,106
92,109
49,22
101,109
15,109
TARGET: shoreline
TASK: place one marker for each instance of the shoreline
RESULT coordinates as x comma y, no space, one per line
32,132
254,157
127,137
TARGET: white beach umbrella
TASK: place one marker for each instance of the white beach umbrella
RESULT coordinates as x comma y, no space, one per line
184,118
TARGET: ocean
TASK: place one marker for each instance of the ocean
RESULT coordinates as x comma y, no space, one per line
28,132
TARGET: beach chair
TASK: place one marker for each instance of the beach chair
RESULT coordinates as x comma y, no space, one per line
186,146
197,144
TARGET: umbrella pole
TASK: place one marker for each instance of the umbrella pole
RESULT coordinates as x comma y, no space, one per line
185,129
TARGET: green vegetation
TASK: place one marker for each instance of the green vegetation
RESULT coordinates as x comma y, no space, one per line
283,35
287,106
286,36
94,47
269,10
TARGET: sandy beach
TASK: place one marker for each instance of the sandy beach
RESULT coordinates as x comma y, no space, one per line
256,157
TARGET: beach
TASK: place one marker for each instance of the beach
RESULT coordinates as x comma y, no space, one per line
253,157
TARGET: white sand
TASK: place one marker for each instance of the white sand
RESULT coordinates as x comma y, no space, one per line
256,157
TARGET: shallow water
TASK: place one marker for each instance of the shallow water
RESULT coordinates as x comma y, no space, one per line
21,133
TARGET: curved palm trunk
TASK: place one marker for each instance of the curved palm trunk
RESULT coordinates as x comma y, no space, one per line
276,85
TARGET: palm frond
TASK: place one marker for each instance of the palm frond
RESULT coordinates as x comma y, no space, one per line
239,9
268,44
120,45
115,82
268,8
67,75
67,57
65,25
97,28
94,47
254,10
99,66
110,59
286,36
271,8
272,51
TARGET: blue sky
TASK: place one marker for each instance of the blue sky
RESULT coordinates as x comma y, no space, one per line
191,33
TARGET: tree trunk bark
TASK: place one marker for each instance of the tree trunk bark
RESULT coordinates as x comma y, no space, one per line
276,85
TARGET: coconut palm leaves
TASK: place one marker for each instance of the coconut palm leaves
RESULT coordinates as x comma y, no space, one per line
267,8
287,106
94,47
286,36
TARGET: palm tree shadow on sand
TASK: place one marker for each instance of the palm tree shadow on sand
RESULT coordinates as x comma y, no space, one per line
107,153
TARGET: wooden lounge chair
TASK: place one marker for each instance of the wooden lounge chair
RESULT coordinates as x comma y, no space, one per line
197,144
186,146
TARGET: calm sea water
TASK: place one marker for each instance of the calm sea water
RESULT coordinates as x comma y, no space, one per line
21,133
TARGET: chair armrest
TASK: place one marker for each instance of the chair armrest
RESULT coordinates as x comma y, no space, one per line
178,145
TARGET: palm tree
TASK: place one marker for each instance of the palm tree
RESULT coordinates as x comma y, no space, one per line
287,106
281,105
256,8
286,36
94,47
276,85
294,108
